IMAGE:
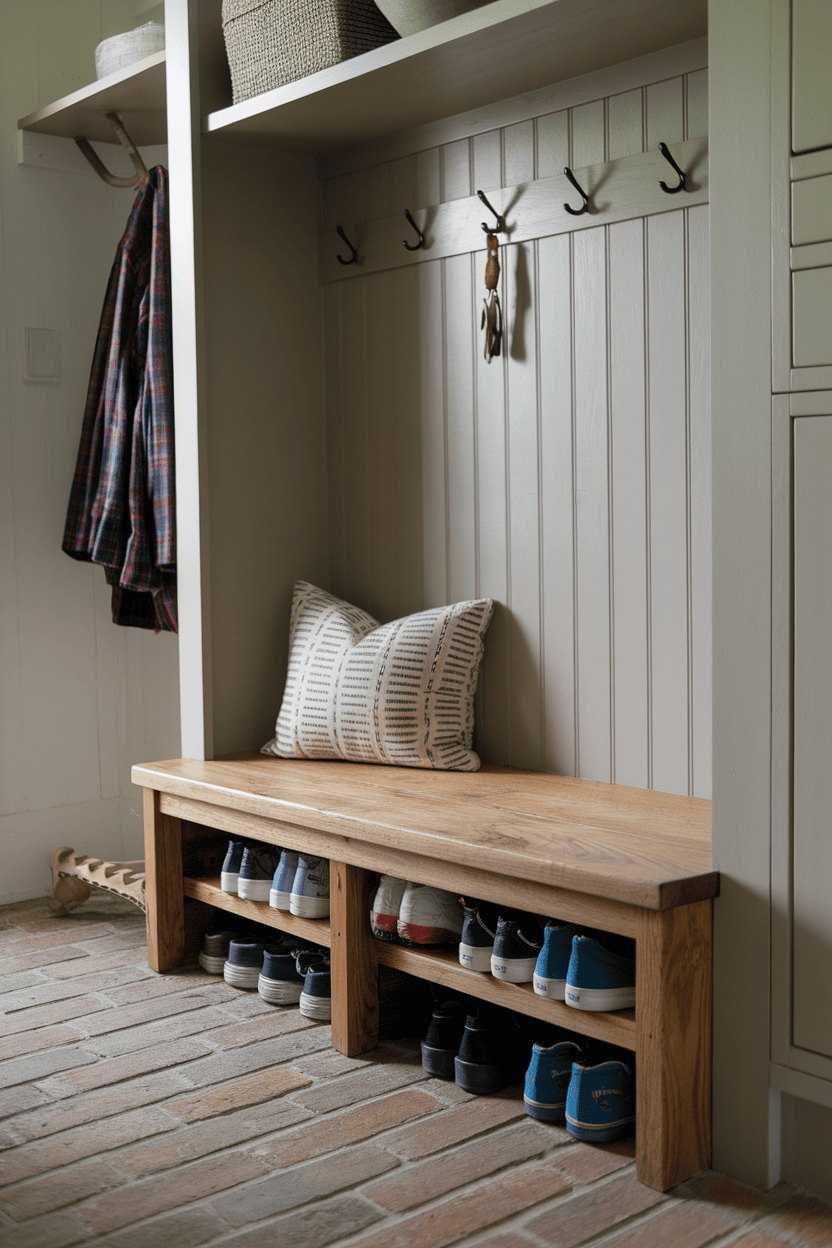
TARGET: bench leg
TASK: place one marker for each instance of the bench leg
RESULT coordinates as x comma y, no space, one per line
354,967
674,982
164,888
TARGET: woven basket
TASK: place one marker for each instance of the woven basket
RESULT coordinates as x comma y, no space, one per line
272,42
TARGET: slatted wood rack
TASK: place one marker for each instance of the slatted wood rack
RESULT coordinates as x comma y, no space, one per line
629,861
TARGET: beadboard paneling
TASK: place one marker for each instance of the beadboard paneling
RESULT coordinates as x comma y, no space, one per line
569,477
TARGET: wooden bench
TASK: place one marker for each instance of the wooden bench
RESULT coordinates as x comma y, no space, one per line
624,860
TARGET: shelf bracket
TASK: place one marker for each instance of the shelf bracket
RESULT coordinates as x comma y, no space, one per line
126,142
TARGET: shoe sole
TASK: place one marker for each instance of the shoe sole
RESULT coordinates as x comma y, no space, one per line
476,957
213,965
438,1062
414,934
543,1112
600,998
554,989
279,991
253,890
513,970
319,1008
241,976
308,907
228,881
279,900
601,1134
480,1079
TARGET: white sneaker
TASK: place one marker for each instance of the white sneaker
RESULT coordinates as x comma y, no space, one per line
429,916
385,908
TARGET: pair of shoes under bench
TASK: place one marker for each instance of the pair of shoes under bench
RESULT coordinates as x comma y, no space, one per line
415,914
300,885
509,952
567,1081
292,976
248,869
481,1047
583,972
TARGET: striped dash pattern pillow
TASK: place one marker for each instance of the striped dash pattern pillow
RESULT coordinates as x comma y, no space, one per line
399,693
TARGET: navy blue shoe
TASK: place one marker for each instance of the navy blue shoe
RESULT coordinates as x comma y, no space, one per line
316,996
443,1038
257,868
242,966
600,1102
553,961
476,944
598,979
284,971
515,951
231,866
547,1080
214,951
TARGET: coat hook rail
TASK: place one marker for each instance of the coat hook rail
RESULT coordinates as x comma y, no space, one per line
672,190
340,232
500,227
129,146
421,242
576,212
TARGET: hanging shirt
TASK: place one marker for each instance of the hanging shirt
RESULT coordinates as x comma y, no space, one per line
122,504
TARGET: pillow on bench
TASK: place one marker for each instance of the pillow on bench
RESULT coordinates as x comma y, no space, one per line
399,693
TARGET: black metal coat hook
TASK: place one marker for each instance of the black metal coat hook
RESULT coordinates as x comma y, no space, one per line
340,231
421,242
672,190
500,227
576,212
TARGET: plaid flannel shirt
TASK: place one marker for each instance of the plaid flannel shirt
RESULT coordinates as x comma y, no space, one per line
122,504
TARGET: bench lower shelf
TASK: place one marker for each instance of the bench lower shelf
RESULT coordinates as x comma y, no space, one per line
208,891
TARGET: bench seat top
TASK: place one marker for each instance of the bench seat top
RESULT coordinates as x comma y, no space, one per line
632,845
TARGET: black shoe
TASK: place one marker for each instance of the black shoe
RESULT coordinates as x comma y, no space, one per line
476,944
515,950
441,1043
493,1052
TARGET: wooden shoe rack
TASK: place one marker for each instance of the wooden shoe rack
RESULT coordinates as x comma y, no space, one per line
629,861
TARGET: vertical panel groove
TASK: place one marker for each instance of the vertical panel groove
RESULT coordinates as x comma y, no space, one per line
574,414
475,392
443,287
688,497
647,509
610,487
541,658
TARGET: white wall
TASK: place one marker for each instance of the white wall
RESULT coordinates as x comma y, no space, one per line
80,699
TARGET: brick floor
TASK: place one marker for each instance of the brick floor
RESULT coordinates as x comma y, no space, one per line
147,1111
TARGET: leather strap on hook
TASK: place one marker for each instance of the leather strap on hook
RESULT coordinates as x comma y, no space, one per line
126,142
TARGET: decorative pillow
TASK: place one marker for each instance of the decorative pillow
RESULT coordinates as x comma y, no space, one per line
400,693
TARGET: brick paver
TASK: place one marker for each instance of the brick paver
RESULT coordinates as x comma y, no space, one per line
93,1106
326,1222
230,1033
807,1222
90,965
41,1065
36,1041
583,1162
358,1086
58,1230
107,1019
117,1069
491,1203
131,1039
685,1226
460,1123
349,1127
593,1211
97,1137
73,1183
430,1179
187,1228
302,1184
253,1089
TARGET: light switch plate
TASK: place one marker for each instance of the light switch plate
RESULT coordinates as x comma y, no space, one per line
40,354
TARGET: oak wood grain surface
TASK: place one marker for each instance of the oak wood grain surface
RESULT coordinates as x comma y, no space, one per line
633,845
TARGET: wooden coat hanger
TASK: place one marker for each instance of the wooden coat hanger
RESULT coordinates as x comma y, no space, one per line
127,143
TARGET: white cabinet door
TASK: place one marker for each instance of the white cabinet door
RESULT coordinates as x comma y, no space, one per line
812,852
811,75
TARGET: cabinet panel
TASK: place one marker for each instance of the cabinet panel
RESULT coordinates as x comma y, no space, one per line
811,79
812,317
812,210
812,852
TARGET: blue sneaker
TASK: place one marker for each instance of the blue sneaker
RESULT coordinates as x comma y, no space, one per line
283,974
309,898
230,872
548,1078
553,960
284,877
600,1102
598,979
316,997
256,870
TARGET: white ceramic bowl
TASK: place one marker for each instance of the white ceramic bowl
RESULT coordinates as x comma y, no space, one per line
119,51
408,16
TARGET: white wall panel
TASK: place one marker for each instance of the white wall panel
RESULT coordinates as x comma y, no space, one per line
569,477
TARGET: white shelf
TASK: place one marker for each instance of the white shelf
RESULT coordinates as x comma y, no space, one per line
138,93
504,49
